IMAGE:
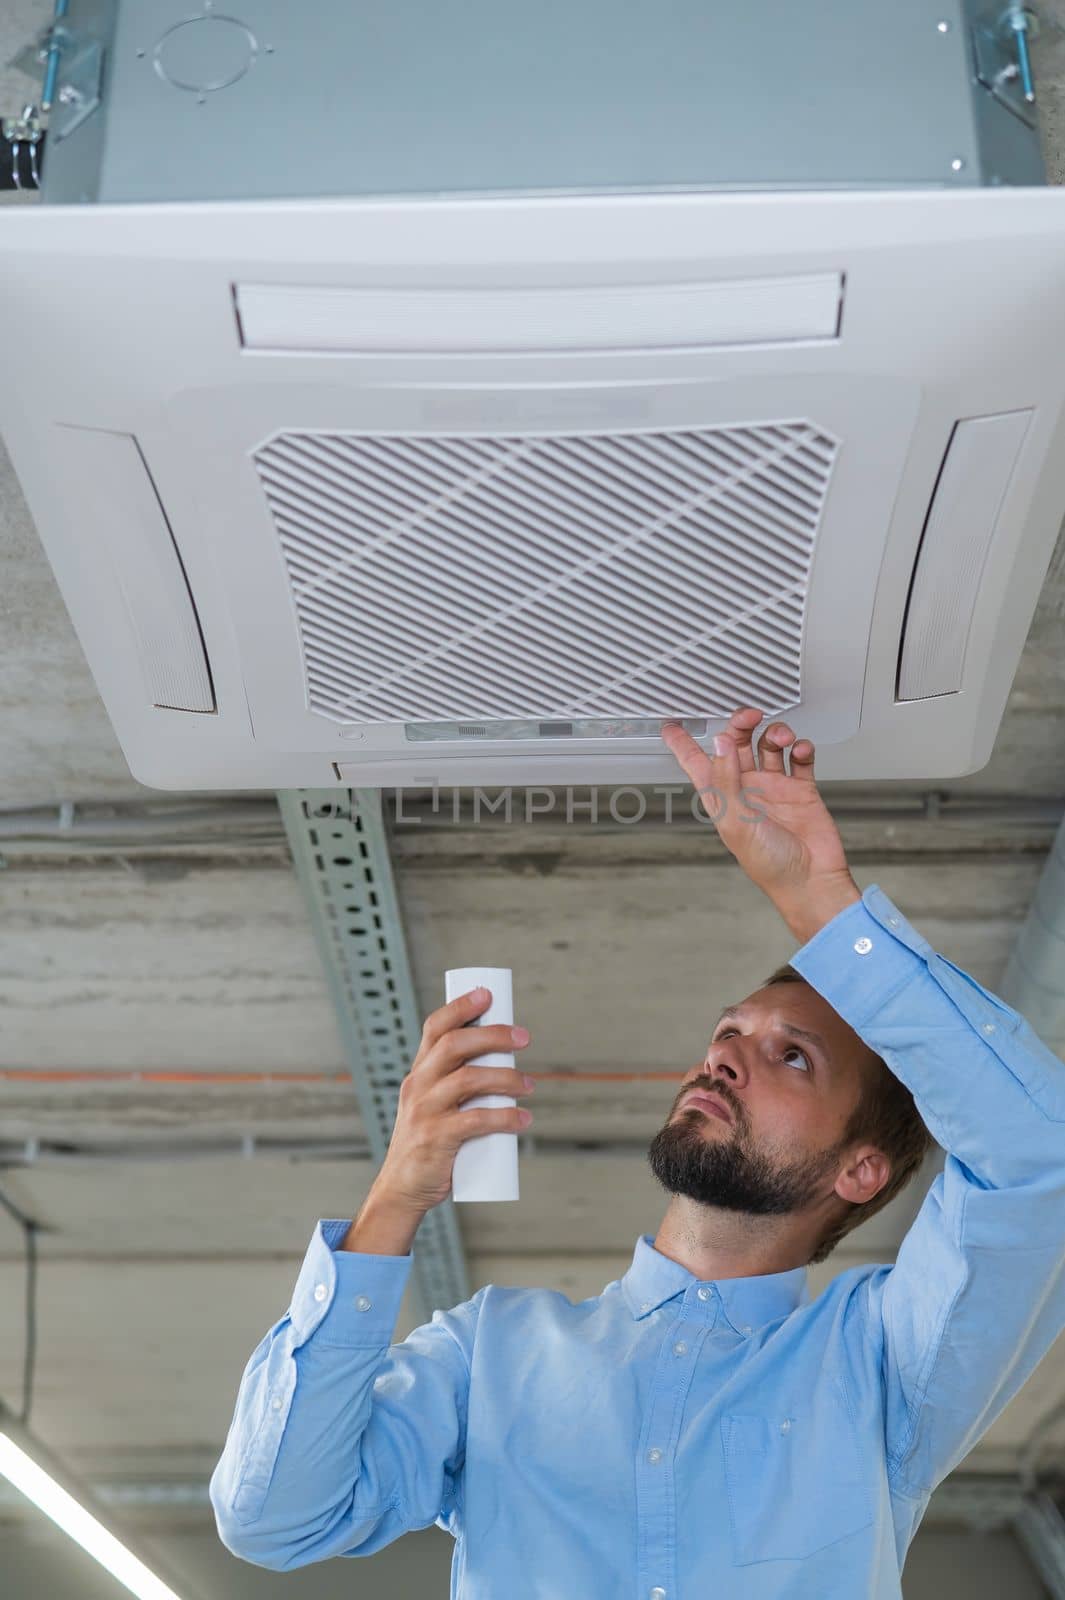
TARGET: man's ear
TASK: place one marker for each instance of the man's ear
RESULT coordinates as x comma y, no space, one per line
864,1176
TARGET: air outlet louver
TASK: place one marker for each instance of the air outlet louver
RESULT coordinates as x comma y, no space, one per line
620,574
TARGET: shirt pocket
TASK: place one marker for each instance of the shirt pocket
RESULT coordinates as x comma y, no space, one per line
794,1483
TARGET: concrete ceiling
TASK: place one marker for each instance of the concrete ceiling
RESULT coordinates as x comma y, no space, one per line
168,1251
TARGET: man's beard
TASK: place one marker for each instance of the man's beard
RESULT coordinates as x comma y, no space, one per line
713,1167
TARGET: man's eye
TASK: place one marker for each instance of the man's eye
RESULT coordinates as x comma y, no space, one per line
791,1050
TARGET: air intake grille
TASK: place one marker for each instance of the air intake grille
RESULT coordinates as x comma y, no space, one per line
619,574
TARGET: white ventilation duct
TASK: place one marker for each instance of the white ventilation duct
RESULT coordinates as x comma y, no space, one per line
1034,980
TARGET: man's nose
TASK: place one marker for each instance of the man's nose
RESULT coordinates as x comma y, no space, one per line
724,1061
711,1073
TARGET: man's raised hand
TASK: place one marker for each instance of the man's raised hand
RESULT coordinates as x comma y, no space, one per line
774,822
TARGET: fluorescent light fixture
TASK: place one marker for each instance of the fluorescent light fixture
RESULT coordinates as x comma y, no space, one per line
21,1461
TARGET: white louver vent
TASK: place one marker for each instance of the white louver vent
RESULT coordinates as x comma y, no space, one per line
639,574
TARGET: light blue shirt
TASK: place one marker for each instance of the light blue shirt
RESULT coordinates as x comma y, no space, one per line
669,1438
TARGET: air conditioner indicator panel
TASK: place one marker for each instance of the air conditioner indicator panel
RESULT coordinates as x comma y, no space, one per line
584,728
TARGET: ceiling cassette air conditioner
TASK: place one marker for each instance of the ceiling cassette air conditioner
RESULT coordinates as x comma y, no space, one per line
377,493
479,486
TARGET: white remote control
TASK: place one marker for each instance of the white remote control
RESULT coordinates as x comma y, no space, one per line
486,1168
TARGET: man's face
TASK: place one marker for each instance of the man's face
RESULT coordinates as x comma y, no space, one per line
789,1100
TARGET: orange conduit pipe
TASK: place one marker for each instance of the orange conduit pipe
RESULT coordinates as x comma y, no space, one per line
131,1075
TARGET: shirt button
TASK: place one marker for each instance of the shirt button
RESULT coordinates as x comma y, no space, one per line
654,1455
989,1027
277,1403
893,922
680,1349
646,1306
704,1294
320,1291
362,1303
657,1594
785,1425
863,946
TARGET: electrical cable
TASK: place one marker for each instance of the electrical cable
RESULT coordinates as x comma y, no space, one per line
29,1228
20,162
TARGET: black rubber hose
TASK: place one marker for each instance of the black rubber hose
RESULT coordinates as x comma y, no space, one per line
20,166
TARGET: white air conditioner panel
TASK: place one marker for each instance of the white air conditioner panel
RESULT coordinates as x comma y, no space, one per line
269,467
314,638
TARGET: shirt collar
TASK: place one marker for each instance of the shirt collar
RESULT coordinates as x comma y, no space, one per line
654,1278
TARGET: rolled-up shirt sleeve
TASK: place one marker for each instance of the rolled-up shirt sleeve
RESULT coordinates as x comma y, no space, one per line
341,1441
